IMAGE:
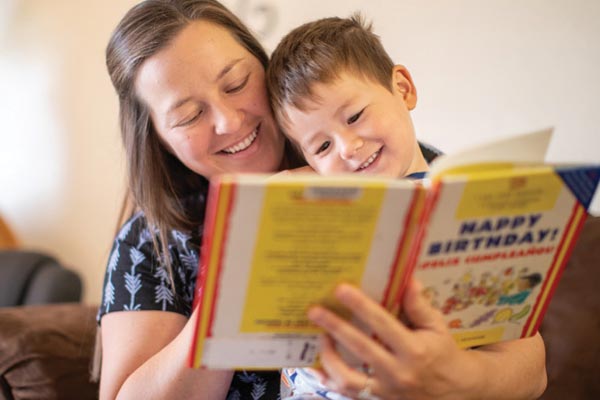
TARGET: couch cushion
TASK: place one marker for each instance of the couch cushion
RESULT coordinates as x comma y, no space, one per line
571,327
45,351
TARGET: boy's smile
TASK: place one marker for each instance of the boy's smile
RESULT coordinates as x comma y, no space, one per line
356,125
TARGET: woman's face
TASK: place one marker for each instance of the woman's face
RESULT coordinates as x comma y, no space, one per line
208,103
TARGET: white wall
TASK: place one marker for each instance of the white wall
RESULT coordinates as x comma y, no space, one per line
483,69
61,168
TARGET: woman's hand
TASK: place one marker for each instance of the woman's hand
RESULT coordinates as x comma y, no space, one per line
421,361
405,363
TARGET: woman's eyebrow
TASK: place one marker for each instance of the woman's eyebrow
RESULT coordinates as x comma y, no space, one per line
178,104
227,68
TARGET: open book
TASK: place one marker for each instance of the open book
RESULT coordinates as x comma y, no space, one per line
488,233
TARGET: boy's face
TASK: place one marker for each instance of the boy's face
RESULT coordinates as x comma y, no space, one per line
357,125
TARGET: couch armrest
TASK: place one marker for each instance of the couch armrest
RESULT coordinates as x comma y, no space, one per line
30,277
46,351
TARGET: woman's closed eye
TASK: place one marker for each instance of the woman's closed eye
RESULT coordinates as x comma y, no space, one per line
189,120
355,117
238,87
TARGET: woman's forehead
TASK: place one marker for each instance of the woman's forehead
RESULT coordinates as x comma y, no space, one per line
202,43
201,55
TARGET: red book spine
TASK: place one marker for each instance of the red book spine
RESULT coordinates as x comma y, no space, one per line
207,236
578,217
431,201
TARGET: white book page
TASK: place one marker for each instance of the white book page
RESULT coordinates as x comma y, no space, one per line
530,148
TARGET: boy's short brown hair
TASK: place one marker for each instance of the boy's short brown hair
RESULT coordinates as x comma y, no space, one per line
318,52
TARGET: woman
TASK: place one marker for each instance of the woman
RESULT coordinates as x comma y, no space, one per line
190,80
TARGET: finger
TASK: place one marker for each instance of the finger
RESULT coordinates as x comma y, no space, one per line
354,340
339,376
386,326
419,310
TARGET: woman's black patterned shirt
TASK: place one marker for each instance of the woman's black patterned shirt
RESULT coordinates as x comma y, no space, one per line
135,280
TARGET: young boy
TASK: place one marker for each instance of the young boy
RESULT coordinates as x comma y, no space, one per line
339,97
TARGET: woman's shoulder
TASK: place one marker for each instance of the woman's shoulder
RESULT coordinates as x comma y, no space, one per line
135,227
137,277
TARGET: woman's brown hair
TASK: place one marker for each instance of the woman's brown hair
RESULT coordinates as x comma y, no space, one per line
158,182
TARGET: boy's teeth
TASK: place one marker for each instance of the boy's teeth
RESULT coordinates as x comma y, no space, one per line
370,160
243,145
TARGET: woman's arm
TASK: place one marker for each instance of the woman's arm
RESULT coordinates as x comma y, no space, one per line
423,361
517,364
144,356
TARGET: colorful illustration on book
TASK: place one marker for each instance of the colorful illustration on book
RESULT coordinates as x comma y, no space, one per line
493,251
503,295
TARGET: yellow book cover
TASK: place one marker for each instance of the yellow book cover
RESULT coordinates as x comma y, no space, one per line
487,236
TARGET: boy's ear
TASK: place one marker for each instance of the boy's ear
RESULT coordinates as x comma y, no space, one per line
403,84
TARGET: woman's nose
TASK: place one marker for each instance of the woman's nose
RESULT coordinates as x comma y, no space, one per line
227,118
349,145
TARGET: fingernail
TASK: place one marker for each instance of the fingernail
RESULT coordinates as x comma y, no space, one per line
343,290
417,285
315,314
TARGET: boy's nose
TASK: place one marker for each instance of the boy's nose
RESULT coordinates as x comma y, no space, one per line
349,145
227,118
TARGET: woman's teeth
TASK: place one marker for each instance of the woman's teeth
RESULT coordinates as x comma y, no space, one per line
243,145
370,160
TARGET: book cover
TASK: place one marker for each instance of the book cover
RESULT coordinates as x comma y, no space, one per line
487,236
273,247
494,246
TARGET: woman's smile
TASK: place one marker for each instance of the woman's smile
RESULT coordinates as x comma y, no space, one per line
242,144
234,130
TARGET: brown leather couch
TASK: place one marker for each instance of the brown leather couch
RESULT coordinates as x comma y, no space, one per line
571,327
44,346
45,351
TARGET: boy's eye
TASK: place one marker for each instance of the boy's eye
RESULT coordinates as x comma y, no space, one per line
355,117
323,147
239,87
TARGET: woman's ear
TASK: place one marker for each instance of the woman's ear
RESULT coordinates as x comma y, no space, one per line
402,83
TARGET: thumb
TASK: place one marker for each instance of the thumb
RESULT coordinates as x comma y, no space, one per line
419,310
